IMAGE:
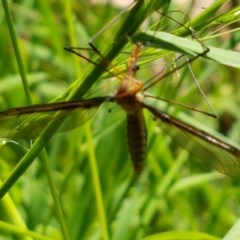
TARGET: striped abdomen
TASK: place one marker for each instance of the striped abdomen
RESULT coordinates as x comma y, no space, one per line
137,139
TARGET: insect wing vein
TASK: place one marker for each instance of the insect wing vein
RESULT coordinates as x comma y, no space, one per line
211,150
28,122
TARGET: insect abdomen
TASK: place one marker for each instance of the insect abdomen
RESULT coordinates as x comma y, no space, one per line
137,140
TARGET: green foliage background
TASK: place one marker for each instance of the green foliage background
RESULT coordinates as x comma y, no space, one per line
83,186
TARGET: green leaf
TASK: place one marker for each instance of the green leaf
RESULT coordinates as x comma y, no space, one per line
171,42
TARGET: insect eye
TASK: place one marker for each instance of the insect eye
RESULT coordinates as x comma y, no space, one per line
136,67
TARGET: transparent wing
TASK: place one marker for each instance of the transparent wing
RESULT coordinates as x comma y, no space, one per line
28,122
211,150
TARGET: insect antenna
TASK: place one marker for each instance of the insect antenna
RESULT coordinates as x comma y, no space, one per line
73,50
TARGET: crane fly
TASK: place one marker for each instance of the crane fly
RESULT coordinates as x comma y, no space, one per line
30,120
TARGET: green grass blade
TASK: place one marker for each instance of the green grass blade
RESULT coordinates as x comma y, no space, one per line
171,42
17,52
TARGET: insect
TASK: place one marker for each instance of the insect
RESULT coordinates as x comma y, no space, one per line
28,121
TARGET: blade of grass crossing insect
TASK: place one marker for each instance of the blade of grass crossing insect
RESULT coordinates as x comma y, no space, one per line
128,27
120,42
198,23
171,42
